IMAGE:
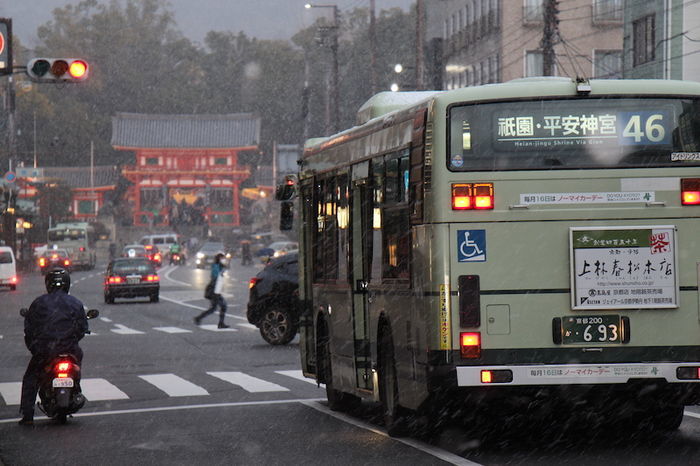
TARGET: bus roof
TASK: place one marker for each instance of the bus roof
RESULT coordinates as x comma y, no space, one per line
387,103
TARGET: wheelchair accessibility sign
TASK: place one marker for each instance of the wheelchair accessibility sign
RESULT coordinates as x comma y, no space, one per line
471,245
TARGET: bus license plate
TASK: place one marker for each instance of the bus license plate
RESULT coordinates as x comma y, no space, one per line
62,383
592,329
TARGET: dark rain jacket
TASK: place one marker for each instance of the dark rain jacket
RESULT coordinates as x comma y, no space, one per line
54,324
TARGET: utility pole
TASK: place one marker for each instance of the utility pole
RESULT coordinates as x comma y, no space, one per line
373,47
551,24
420,35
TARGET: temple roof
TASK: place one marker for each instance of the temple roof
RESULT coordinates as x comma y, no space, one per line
143,131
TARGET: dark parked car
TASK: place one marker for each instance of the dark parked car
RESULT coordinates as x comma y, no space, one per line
273,305
130,278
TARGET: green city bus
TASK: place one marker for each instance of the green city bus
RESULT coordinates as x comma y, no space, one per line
501,245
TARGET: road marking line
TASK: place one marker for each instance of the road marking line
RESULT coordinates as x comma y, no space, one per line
100,390
429,449
11,392
299,375
250,326
104,319
691,414
248,383
177,408
182,303
167,276
215,328
172,330
124,330
173,385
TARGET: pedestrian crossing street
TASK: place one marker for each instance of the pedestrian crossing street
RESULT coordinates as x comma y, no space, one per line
172,385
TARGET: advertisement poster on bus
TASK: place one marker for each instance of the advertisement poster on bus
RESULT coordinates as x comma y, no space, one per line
624,267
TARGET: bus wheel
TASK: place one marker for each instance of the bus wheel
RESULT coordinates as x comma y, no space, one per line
337,400
668,418
276,327
396,419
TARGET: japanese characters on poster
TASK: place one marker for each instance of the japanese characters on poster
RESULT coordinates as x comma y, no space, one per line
624,268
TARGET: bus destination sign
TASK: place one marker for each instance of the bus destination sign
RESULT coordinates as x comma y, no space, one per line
542,130
623,267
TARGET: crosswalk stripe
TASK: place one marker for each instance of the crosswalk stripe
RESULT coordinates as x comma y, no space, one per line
296,374
124,330
11,392
248,383
250,326
100,390
173,385
172,330
215,328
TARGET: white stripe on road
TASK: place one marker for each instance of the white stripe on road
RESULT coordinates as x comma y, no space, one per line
178,408
104,319
167,276
124,330
248,383
100,390
173,385
215,328
172,330
11,392
250,326
299,375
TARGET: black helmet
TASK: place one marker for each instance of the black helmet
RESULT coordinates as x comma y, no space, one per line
57,279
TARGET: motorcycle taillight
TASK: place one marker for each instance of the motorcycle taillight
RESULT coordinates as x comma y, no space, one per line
62,369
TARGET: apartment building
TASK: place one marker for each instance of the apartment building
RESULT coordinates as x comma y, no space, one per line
473,42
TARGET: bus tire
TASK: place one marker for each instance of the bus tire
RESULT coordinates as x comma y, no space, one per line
396,418
337,400
668,418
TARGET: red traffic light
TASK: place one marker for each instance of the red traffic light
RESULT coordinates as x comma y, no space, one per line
57,70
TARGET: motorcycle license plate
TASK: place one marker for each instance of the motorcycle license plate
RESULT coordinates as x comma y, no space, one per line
63,383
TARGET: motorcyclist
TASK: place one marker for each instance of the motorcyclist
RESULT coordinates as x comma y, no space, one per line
54,324
174,249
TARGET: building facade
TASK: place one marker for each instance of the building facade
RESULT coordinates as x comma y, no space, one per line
662,39
474,42
186,166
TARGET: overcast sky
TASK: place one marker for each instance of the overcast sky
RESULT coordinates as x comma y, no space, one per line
265,19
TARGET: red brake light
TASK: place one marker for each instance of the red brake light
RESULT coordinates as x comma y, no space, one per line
461,197
470,345
152,278
486,377
62,366
115,280
253,282
156,257
42,262
13,279
690,191
468,196
82,249
54,256
66,262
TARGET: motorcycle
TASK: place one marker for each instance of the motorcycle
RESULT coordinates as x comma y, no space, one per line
177,258
59,385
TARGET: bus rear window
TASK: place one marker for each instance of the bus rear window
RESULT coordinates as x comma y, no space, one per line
560,134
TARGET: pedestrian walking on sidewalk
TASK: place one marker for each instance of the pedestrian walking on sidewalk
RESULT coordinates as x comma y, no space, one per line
216,295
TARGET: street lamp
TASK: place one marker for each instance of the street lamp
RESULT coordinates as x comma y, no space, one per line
332,100
398,69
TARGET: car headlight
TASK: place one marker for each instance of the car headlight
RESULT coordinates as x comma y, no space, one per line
228,255
200,255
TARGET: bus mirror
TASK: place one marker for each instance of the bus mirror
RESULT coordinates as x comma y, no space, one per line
286,215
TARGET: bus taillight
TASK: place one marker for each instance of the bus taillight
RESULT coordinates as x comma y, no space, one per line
461,196
483,196
690,191
497,376
472,196
470,345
